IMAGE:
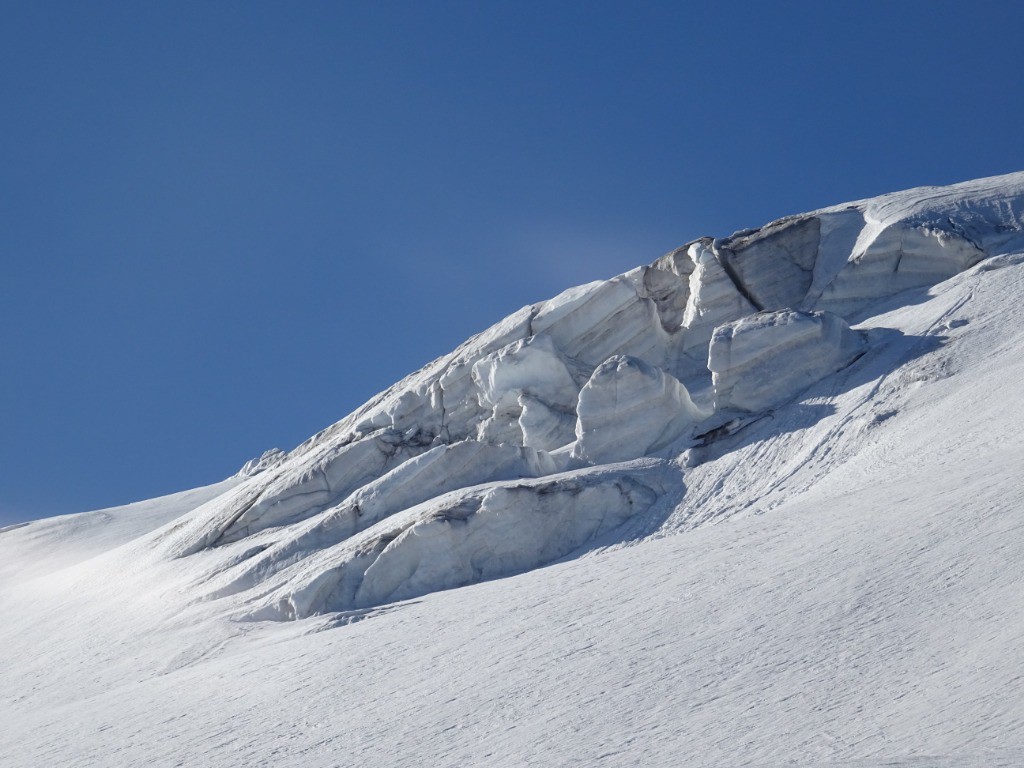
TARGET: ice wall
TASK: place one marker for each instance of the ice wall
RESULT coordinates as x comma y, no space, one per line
761,360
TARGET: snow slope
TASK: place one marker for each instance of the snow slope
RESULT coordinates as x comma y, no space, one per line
810,557
28,550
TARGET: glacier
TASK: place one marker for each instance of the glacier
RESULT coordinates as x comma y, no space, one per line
633,367
751,450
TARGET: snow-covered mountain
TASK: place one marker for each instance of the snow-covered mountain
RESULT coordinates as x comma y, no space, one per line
755,503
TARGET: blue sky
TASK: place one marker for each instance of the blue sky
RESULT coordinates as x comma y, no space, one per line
225,225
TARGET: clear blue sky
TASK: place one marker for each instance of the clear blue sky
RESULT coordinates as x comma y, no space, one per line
225,225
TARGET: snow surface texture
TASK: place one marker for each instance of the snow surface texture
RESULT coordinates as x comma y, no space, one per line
801,386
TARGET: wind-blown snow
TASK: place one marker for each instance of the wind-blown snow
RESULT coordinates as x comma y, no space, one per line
775,477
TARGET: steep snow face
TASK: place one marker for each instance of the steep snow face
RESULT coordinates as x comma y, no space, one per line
774,265
757,362
846,257
630,408
646,364
527,374
715,298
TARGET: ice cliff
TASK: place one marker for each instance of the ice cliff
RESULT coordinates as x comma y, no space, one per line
554,428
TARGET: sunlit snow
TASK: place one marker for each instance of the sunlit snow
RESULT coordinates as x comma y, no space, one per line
756,503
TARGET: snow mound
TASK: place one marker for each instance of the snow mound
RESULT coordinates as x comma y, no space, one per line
765,359
630,408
